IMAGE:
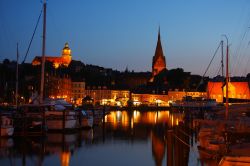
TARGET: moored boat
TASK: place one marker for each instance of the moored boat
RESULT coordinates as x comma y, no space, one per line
190,102
61,119
235,161
7,128
86,119
60,116
29,119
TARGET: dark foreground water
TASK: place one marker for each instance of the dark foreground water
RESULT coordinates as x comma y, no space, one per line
125,139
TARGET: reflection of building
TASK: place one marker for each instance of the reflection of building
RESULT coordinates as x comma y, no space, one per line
78,92
64,59
236,90
146,118
158,147
65,158
61,144
58,87
159,62
179,141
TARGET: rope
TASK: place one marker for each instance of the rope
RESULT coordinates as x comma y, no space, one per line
185,133
238,54
182,141
32,36
212,60
209,65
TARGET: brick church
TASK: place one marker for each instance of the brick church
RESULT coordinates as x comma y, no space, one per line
159,61
63,60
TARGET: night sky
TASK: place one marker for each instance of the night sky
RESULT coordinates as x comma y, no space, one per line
123,33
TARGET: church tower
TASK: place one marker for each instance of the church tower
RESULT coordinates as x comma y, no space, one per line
159,62
66,55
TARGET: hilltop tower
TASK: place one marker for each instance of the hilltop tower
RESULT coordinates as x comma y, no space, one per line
66,55
159,62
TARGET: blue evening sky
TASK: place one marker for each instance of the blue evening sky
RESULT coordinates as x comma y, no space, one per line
120,33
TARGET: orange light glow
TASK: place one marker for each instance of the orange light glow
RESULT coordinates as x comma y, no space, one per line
238,90
122,118
65,157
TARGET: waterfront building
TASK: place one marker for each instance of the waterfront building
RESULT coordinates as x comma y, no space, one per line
63,60
236,90
164,99
103,96
149,99
78,92
159,61
58,87
177,94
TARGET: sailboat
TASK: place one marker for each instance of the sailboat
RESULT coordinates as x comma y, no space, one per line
59,115
232,155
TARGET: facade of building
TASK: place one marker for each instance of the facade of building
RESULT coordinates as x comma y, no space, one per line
236,90
63,60
163,99
78,92
178,95
159,61
58,87
104,96
149,99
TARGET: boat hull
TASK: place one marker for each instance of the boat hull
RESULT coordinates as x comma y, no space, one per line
7,131
60,125
235,160
87,122
59,120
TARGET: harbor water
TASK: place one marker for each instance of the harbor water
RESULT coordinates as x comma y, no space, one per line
125,138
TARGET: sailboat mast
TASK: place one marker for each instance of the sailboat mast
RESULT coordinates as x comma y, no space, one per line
17,57
43,52
227,78
222,61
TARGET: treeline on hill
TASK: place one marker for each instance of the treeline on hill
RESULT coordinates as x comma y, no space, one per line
29,78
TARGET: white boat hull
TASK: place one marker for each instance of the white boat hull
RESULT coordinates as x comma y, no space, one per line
57,120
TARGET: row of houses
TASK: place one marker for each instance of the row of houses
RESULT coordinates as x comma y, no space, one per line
75,92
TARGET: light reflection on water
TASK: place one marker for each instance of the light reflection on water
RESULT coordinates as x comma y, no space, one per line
126,138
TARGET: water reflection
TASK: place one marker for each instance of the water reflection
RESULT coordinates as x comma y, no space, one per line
126,137
122,118
160,127
158,145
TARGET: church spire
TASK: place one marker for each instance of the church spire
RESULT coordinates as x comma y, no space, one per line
159,33
159,62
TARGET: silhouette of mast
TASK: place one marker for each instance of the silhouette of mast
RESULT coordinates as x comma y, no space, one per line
43,52
227,77
222,61
17,57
